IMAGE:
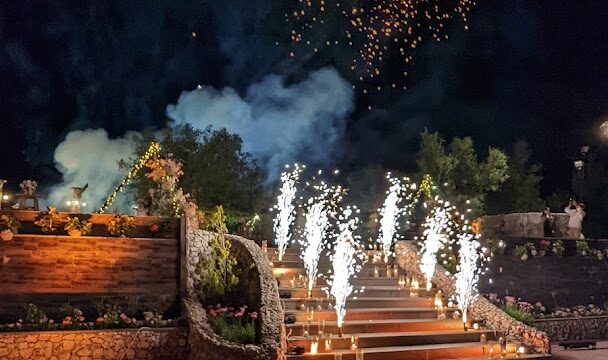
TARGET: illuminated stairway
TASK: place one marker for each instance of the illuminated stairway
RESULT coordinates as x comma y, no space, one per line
388,322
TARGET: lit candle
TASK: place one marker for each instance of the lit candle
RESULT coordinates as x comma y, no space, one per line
395,271
491,352
482,339
305,330
265,246
292,283
353,343
376,274
319,330
314,346
520,351
475,326
302,307
328,343
388,271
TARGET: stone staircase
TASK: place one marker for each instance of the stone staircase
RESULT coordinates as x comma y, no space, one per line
389,323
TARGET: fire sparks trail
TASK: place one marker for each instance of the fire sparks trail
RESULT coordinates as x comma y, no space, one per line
285,206
320,208
345,262
467,277
381,31
391,211
437,231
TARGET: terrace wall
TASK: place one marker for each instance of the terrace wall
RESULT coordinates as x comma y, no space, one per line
139,274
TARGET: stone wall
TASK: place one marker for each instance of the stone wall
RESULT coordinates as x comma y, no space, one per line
138,274
581,328
258,289
407,258
558,280
522,224
148,344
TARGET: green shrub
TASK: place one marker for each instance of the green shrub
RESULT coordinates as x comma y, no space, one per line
233,325
218,273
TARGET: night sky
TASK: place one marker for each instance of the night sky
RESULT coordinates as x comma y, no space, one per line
534,70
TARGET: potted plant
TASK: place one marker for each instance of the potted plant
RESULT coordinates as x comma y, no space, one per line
48,220
120,225
9,226
76,227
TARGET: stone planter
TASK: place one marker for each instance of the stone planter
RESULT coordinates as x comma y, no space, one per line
574,328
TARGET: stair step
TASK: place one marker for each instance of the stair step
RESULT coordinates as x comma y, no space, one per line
371,313
369,291
381,325
364,302
370,340
414,352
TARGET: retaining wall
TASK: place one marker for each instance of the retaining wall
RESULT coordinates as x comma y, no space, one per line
148,344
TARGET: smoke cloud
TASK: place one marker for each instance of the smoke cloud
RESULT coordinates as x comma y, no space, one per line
278,123
90,156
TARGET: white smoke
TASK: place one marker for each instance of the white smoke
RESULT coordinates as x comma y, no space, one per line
89,156
278,123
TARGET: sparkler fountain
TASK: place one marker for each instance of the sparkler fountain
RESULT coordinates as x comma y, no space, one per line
390,212
437,229
345,262
320,208
285,206
467,276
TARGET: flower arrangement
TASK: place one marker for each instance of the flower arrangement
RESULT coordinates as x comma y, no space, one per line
72,318
120,225
522,251
28,187
76,227
8,226
516,308
558,247
582,248
48,220
233,324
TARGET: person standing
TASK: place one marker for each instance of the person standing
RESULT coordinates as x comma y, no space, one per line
576,212
547,220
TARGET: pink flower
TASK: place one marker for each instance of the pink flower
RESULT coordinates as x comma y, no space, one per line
510,300
253,315
212,313
238,314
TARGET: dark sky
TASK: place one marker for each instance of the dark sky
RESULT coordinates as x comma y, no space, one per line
525,69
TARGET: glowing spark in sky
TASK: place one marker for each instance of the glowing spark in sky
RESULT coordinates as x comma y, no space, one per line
380,31
344,262
467,276
437,231
285,206
391,211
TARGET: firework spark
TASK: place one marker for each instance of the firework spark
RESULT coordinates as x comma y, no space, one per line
319,211
381,31
346,262
286,208
467,276
391,211
437,231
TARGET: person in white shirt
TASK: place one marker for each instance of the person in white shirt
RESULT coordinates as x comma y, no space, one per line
576,212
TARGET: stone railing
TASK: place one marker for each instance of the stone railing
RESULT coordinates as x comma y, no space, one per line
145,343
575,328
257,289
408,259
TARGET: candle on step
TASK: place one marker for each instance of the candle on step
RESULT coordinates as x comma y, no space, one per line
328,343
305,330
388,271
314,346
265,246
376,274
353,342
395,270
475,326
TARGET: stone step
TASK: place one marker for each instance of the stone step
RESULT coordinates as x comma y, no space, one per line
368,291
376,326
371,313
414,352
285,275
371,340
365,302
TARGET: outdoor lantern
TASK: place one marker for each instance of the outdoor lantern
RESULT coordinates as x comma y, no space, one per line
578,164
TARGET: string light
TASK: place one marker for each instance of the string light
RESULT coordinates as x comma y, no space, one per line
152,152
285,206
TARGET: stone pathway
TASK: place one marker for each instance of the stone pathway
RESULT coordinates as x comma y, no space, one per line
601,353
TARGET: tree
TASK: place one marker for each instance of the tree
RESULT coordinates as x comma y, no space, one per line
459,167
521,191
215,169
